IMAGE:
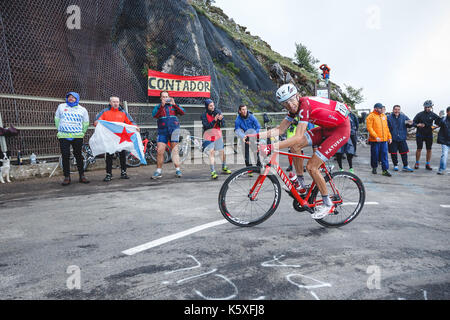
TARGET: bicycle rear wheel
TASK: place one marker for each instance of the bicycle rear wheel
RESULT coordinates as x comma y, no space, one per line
350,189
132,161
235,201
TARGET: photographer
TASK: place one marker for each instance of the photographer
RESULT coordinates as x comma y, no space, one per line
168,130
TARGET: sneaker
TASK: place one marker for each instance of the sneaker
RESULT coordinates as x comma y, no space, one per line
157,175
108,177
428,167
178,173
123,175
341,170
214,175
225,170
322,211
83,179
395,168
289,169
66,181
351,170
386,173
407,169
440,172
416,166
374,170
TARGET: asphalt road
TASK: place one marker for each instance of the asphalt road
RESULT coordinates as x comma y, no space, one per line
70,243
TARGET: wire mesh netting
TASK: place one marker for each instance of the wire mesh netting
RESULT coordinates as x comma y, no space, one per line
99,49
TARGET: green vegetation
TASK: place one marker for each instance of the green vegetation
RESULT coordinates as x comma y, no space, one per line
352,96
305,59
253,43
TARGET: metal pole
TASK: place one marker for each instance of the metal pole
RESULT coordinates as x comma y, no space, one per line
2,138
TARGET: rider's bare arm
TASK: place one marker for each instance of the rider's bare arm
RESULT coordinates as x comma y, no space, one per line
296,139
275,132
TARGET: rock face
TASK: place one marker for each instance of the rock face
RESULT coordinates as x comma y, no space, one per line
116,43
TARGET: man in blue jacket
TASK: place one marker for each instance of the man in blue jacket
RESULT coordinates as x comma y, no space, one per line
246,123
398,122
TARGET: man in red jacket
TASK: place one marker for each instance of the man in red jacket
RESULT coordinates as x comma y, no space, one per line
115,113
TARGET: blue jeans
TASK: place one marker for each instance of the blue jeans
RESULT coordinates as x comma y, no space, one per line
444,157
379,152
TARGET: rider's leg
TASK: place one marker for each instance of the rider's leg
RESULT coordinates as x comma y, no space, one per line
298,162
312,167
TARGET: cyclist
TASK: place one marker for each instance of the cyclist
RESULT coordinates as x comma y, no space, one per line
168,129
332,133
424,123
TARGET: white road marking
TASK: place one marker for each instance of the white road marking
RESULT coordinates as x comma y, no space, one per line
445,205
355,203
173,237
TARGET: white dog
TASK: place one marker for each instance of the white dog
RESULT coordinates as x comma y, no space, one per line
5,168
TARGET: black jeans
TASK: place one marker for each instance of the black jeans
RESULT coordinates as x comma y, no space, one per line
109,161
76,144
247,156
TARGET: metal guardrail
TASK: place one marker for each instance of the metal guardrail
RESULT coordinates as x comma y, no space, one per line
33,116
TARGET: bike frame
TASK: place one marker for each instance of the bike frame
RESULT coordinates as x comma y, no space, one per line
304,202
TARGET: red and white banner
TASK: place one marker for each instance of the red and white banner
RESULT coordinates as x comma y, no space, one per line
178,86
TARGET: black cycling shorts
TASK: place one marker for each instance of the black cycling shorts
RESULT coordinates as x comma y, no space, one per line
428,142
398,146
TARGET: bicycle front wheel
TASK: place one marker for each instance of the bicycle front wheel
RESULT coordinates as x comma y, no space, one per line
350,194
238,204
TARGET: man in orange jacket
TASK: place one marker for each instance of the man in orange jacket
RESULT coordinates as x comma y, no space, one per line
379,137
115,113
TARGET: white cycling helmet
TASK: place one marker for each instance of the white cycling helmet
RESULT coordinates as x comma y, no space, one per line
285,92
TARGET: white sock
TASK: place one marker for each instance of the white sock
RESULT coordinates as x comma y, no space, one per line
177,169
159,170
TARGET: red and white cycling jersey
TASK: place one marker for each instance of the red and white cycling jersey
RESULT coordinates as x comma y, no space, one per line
322,112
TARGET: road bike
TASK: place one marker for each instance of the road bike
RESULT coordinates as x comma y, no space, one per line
247,199
150,152
186,143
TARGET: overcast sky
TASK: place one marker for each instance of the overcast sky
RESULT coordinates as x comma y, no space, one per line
398,51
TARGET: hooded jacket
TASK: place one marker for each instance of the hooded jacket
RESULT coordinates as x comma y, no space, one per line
71,119
377,126
242,125
209,123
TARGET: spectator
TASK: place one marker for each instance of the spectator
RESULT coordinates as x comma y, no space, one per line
168,130
348,149
246,123
424,123
379,137
116,113
444,140
325,72
354,121
212,120
72,122
398,122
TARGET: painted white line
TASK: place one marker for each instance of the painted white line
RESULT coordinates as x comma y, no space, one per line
355,203
175,236
445,205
